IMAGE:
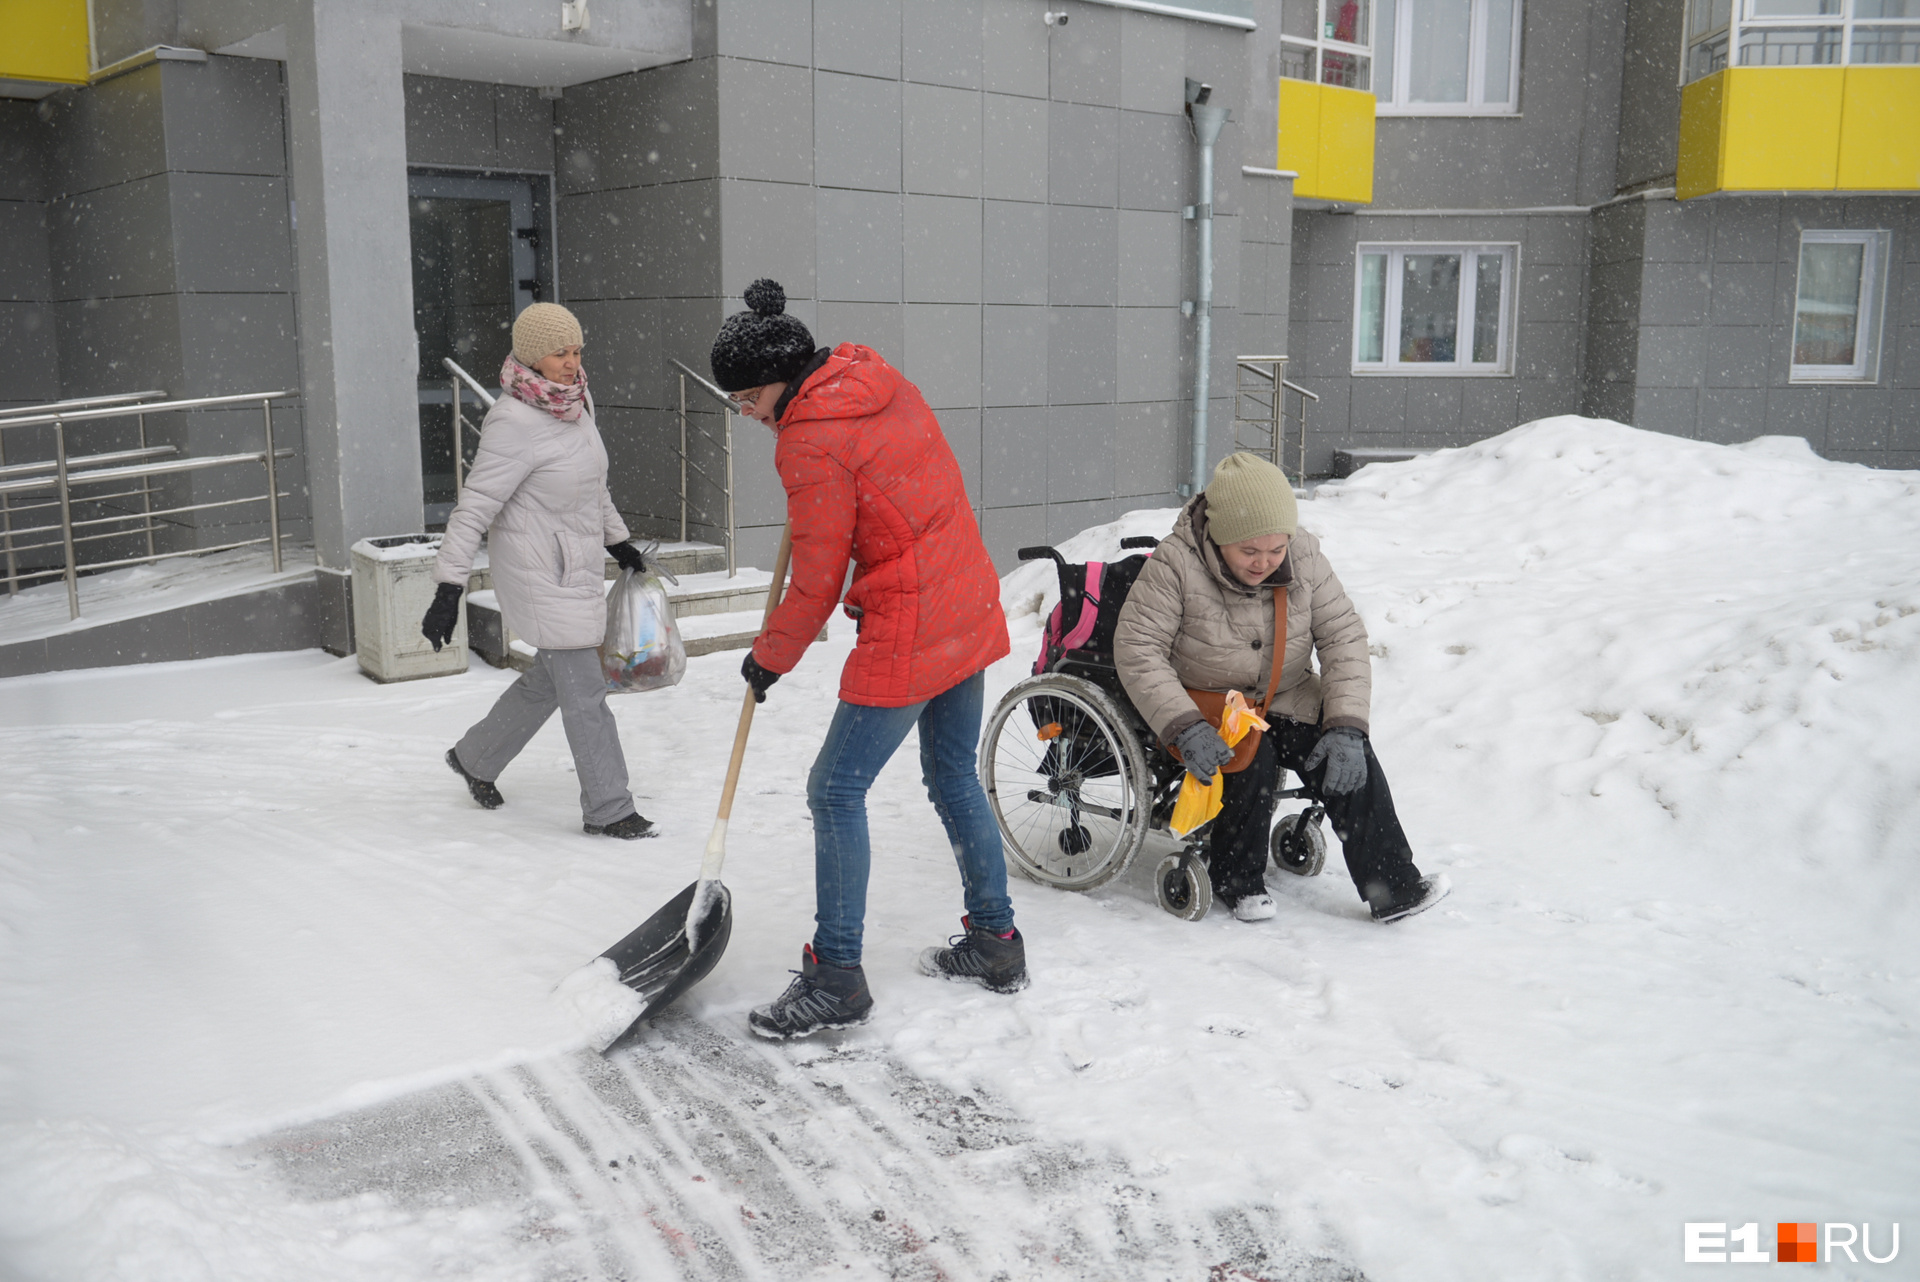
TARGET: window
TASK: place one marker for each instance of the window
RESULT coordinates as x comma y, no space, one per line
1798,33
1448,57
1434,309
1837,306
1329,41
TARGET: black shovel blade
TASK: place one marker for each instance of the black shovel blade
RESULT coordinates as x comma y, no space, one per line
655,960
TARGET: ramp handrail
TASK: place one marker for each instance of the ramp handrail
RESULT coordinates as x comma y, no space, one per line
139,465
82,402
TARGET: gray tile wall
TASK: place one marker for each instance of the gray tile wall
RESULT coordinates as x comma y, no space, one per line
1650,95
168,251
1557,150
1433,411
991,203
1714,338
26,319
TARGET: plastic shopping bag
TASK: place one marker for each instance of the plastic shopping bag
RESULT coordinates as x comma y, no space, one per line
642,649
1198,802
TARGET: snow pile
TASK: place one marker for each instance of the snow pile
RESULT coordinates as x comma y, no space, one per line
1653,705
596,999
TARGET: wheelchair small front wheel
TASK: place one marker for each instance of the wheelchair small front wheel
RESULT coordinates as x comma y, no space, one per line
1181,886
1075,840
1300,845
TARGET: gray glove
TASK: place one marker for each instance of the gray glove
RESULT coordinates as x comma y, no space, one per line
1202,750
1344,750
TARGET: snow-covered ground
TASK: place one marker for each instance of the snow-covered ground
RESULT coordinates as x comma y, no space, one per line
275,997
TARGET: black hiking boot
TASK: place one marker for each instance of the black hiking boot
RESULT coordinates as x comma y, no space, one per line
981,956
820,997
1417,898
633,826
482,789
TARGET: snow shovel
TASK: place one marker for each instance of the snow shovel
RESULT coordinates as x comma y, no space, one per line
675,948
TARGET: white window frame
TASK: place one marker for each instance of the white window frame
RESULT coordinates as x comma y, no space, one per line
1393,102
1322,43
1390,364
1868,321
1740,18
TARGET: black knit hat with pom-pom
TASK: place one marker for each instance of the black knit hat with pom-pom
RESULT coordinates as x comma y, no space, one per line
761,345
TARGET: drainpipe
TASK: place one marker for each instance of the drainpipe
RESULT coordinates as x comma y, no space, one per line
1206,121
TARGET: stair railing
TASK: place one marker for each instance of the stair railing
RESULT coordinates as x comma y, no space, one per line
729,409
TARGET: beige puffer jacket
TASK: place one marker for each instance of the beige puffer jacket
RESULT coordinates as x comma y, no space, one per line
540,483
1189,623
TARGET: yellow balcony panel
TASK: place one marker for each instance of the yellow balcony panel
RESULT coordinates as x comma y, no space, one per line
1326,137
1782,130
1800,129
1702,121
1880,130
44,40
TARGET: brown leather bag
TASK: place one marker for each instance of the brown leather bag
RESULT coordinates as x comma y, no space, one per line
1213,703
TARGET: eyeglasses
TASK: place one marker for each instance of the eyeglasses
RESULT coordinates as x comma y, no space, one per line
745,400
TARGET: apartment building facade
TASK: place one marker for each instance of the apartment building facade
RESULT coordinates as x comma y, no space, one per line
1695,216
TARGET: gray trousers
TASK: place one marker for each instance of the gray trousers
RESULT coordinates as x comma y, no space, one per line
569,680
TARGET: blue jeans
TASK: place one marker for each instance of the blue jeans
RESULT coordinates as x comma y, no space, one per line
860,741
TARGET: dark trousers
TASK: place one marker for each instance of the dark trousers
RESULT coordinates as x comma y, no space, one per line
1378,857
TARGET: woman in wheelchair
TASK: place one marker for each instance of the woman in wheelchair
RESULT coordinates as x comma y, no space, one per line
1201,621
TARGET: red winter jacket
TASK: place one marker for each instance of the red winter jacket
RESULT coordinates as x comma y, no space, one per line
871,479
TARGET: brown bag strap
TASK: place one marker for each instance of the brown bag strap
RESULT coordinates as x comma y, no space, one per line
1279,646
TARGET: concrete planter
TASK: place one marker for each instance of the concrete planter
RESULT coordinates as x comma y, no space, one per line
393,585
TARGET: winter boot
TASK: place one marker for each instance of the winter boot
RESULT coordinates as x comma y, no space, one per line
998,962
820,997
482,789
1253,907
634,825
1417,898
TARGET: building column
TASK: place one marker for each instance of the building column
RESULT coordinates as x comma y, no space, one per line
347,154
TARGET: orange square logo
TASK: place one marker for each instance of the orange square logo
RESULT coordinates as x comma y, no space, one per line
1797,1243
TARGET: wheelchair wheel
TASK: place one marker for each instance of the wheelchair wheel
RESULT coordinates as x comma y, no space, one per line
1067,780
1181,886
1299,844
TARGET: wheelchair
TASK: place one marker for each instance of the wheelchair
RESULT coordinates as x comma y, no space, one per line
1078,782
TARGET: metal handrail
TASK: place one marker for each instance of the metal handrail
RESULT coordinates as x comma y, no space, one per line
115,456
459,425
81,402
1268,395
69,472
147,407
729,404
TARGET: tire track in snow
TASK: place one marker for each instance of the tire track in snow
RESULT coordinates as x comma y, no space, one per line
689,1154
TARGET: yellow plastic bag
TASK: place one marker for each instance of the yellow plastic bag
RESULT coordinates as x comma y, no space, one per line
1199,802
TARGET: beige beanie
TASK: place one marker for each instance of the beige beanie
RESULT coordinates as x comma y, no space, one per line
1249,498
542,330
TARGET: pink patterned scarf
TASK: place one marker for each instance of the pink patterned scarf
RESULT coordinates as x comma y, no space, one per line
562,400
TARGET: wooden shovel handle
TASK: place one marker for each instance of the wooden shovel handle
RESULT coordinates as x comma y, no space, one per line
774,591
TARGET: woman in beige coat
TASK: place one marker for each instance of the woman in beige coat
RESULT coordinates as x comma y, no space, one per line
1201,617
538,490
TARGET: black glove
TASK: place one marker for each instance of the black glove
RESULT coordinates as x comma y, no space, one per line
757,677
629,557
1202,750
442,616
1344,750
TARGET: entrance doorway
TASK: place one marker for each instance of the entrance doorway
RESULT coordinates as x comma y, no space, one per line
481,253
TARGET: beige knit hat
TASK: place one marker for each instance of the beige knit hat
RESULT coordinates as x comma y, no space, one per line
542,330
1249,498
